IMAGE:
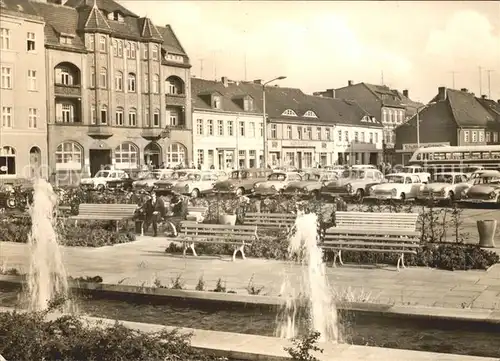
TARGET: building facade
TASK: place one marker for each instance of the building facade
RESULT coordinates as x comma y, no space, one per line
118,90
23,130
453,117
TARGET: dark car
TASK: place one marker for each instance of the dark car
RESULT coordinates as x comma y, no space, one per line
242,181
16,196
125,182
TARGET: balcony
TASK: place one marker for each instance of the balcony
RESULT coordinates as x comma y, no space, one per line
152,133
178,100
101,131
67,90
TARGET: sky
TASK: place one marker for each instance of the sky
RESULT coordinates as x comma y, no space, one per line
318,45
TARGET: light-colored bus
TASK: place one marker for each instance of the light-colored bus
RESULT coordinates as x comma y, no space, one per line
465,159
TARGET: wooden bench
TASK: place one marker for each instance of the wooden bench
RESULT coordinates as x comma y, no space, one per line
237,236
270,220
105,212
373,232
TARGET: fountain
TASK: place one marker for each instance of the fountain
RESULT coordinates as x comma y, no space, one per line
314,288
47,277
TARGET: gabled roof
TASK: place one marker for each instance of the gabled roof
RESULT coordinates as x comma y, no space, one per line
466,109
170,41
148,30
106,5
491,106
96,22
22,8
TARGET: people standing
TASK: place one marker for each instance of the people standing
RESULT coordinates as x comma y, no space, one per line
154,210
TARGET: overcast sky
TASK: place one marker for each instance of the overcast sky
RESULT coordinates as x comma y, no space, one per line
319,45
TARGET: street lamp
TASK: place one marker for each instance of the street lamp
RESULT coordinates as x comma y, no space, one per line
418,109
264,118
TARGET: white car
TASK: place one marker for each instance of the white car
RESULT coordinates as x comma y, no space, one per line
417,170
446,186
276,183
196,183
397,186
101,178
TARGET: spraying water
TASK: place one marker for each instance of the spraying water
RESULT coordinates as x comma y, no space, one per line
314,290
47,277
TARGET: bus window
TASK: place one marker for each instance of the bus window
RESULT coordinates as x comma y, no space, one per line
439,156
448,156
485,155
458,155
475,155
467,155
495,155
419,156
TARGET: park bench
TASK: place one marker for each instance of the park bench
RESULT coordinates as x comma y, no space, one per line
270,220
237,236
105,212
373,232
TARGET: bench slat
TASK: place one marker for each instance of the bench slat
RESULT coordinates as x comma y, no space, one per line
412,244
215,227
399,251
348,238
363,232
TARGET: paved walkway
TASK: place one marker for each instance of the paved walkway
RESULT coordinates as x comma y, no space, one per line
144,261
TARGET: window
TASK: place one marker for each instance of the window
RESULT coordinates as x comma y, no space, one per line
115,47
174,117
173,85
289,132
340,135
220,127
126,156
91,42
93,114
495,137
310,114
145,51
356,137
65,40
230,128
384,115
199,126
132,117
30,41
210,127
200,156
7,119
64,76
104,114
131,51
131,82
308,133
299,133
103,78
4,39
376,137
318,133
32,80
146,83
127,50
274,131
176,154
290,113
371,138
6,81
488,137
156,118
92,77
65,113
32,118
69,156
155,52
346,136
261,126
7,161
247,104
466,136
147,119
156,84
362,137
481,136
119,48
119,116
474,136
119,81
242,129
102,44
216,101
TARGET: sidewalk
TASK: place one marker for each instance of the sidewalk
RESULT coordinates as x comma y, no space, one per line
144,261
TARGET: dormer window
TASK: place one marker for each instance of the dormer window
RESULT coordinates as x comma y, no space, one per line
247,104
66,39
310,114
175,58
116,16
289,113
216,102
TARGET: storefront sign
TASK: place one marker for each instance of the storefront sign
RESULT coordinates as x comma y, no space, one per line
301,144
411,147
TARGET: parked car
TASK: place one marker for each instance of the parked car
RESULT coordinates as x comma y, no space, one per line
166,181
147,180
196,183
100,180
352,183
397,186
311,184
485,188
242,181
125,183
417,170
446,186
275,183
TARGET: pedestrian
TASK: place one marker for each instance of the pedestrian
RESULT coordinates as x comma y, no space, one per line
154,210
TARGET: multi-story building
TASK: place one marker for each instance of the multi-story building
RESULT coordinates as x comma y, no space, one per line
388,105
453,117
227,125
118,89
23,130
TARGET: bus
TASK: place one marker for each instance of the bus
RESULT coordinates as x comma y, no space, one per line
466,159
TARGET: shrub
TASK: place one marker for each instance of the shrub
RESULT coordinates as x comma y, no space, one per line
28,336
302,347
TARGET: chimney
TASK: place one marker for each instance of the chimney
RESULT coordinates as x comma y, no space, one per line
405,93
441,93
465,90
349,82
225,81
498,101
484,96
329,93
258,81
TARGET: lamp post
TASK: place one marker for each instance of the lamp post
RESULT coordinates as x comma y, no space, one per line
264,119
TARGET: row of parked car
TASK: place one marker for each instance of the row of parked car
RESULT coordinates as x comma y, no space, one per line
354,183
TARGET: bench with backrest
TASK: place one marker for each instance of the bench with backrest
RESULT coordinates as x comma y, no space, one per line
373,232
236,236
105,212
270,220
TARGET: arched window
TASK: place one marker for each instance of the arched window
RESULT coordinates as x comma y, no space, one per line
176,153
7,161
69,156
131,82
119,81
132,117
156,84
174,85
103,78
126,156
119,116
67,74
35,162
155,53
104,114
156,118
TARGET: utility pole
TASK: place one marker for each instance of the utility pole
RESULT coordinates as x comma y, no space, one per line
245,66
489,71
382,77
201,68
480,81
453,78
